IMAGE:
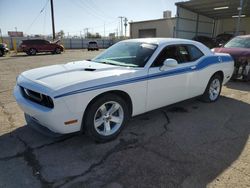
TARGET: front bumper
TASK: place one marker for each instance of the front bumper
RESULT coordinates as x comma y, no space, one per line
50,118
34,124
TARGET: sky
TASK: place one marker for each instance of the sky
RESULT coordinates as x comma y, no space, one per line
73,16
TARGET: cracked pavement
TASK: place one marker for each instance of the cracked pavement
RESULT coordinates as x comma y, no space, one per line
189,144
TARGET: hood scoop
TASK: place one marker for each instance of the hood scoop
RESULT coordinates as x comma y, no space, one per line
89,69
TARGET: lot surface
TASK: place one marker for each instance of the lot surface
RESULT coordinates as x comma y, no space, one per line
189,144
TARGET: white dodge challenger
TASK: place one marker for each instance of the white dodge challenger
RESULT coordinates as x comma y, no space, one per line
129,78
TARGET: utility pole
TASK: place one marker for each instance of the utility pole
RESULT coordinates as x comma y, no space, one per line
86,32
121,17
52,18
104,30
125,25
238,22
116,31
1,36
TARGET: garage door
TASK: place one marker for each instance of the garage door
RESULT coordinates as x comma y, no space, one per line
147,33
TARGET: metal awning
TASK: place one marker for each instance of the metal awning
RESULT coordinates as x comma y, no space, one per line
217,9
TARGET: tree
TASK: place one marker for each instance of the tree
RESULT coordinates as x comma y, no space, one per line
60,34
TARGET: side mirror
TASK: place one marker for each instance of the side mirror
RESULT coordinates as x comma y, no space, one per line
169,63
221,45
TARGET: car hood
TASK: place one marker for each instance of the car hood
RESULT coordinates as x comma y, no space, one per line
235,52
74,75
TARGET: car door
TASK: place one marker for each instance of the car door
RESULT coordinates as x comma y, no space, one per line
170,85
44,46
37,44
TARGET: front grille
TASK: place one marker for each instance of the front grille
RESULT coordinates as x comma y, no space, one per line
38,98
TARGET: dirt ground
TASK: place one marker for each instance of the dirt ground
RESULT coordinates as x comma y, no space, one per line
189,144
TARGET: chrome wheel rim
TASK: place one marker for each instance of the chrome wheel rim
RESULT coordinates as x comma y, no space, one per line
214,89
32,51
108,118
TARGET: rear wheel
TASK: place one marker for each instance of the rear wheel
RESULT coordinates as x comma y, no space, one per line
106,117
32,51
213,89
1,53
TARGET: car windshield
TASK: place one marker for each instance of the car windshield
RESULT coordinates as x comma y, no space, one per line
129,54
238,42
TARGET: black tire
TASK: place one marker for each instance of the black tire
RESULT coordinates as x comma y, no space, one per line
92,110
32,51
206,97
57,51
1,53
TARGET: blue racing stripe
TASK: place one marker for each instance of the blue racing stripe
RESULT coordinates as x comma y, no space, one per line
208,61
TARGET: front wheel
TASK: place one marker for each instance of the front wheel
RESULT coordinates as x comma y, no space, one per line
212,92
106,117
57,51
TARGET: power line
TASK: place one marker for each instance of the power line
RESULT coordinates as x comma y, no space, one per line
37,16
97,7
44,21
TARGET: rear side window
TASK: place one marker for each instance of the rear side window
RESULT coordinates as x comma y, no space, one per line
194,52
183,54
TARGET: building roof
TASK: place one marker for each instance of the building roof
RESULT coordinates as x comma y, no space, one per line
155,20
206,7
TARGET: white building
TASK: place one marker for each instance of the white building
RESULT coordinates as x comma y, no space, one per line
197,17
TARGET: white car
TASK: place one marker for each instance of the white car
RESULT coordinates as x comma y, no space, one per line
130,78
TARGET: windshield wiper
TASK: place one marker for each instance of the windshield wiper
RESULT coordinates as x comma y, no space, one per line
105,62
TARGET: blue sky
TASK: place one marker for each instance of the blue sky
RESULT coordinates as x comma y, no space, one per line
74,15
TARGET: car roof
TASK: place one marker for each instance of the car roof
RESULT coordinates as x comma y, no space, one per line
34,40
244,36
161,41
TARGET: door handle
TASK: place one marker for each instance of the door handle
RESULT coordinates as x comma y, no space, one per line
193,67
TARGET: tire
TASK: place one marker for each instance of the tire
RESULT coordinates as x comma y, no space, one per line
57,51
106,117
32,51
1,53
213,89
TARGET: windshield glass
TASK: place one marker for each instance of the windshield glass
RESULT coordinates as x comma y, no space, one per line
129,54
238,42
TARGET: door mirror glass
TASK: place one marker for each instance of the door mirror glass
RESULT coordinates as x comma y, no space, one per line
169,63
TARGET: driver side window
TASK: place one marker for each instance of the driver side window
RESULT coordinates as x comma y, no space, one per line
166,53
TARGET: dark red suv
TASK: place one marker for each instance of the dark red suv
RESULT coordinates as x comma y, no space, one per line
33,46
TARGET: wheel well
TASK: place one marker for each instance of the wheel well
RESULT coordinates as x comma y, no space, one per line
120,93
33,48
220,73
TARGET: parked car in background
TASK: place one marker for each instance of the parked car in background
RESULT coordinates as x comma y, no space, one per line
239,49
92,45
34,46
3,49
129,78
223,38
207,41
